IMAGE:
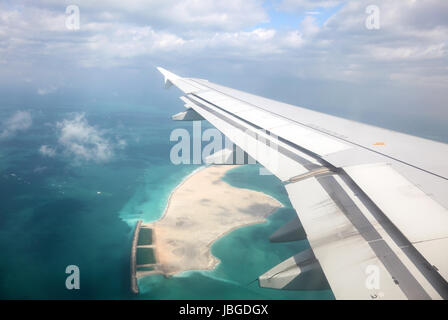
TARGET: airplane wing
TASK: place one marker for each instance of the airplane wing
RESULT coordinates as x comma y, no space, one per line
372,202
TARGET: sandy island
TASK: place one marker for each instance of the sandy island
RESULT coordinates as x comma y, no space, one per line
201,210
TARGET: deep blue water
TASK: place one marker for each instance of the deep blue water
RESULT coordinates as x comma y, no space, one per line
56,212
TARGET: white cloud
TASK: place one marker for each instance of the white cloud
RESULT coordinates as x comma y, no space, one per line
121,143
83,141
19,121
313,13
130,41
172,15
309,26
408,36
40,169
80,141
47,151
301,5
409,52
293,39
47,90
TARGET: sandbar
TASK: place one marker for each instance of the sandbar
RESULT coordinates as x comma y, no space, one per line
200,210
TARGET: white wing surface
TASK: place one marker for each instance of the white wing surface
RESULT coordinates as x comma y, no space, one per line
372,202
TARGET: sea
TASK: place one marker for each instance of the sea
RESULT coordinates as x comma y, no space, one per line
58,210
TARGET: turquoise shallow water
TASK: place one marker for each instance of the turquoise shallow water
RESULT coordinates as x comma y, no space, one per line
55,212
245,254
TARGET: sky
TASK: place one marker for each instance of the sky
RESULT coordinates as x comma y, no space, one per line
318,54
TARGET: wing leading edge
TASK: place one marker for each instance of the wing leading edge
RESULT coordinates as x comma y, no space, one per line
376,219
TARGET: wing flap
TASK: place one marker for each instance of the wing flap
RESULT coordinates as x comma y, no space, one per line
411,210
348,245
340,249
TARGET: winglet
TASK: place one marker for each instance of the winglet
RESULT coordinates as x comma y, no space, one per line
169,76
182,83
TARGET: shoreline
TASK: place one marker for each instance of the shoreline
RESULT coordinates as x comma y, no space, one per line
201,210
179,185
228,232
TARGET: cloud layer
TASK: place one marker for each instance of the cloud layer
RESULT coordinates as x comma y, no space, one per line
322,42
412,41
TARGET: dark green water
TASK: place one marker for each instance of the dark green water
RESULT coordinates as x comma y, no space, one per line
144,236
145,256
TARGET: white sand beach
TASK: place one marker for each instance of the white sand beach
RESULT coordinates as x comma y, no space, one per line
201,210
